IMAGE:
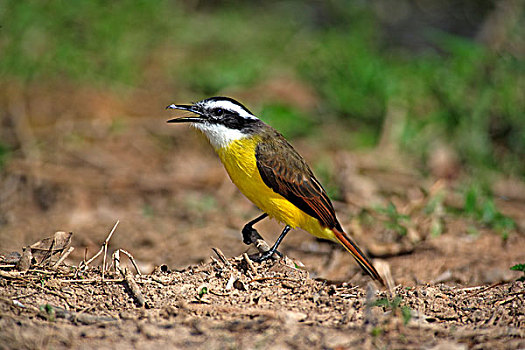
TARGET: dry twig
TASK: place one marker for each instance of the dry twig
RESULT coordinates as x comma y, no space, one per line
7,266
128,277
102,249
221,257
116,259
134,287
249,263
211,291
63,257
278,278
91,280
482,291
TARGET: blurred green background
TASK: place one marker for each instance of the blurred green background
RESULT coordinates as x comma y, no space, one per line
414,75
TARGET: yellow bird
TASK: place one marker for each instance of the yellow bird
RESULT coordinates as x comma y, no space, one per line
269,172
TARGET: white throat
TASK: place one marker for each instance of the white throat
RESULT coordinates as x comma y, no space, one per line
219,135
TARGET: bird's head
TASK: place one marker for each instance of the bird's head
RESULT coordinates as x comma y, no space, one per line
221,119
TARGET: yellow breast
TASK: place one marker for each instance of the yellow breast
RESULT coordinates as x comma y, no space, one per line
240,163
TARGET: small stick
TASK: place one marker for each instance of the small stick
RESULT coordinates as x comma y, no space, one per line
128,277
249,263
218,294
221,256
469,289
482,291
132,260
501,302
104,245
116,260
91,280
24,296
212,259
274,278
11,274
134,287
63,257
44,272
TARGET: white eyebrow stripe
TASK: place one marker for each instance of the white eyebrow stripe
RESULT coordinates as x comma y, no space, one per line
229,106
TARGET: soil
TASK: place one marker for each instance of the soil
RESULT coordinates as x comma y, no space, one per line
81,170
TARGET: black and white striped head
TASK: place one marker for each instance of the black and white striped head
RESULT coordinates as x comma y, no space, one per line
221,119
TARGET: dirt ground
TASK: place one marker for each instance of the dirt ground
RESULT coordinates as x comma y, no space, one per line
270,306
81,169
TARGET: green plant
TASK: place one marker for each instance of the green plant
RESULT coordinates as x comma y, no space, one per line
354,80
479,204
5,152
48,311
90,41
519,267
461,93
376,331
148,211
288,120
395,306
466,98
202,291
395,220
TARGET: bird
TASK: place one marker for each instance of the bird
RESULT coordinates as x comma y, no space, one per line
269,172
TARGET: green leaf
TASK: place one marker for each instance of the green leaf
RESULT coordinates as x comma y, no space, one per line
204,290
518,267
406,314
471,199
5,152
49,311
381,302
488,212
376,331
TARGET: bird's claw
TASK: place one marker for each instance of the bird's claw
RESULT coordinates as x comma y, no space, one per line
247,233
267,255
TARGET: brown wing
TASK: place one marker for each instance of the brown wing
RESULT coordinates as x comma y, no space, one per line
285,171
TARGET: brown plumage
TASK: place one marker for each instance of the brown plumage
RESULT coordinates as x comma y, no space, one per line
287,173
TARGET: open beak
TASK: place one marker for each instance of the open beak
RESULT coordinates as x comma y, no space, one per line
187,119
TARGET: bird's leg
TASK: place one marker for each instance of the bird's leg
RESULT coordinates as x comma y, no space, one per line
248,229
269,253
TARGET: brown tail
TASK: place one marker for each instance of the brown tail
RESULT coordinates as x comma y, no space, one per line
358,255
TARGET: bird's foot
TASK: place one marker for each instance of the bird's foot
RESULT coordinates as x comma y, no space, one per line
248,234
267,255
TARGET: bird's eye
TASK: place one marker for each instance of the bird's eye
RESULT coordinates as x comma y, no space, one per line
219,111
